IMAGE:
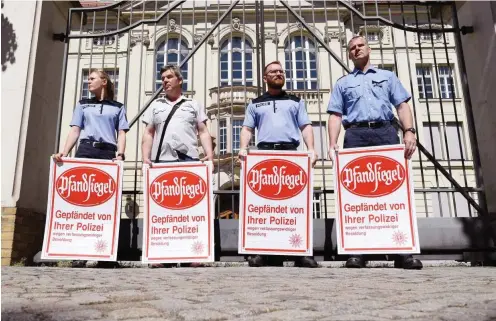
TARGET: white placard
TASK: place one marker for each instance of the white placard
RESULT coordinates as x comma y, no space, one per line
83,210
179,213
375,204
276,203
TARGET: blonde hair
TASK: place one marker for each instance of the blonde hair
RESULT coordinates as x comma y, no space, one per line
110,85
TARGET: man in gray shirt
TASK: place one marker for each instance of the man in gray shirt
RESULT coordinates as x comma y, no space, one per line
279,117
187,124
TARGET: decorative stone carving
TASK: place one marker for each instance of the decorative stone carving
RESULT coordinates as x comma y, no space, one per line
140,36
197,38
236,24
172,25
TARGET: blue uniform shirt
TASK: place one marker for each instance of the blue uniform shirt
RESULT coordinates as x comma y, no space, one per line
277,118
99,120
364,97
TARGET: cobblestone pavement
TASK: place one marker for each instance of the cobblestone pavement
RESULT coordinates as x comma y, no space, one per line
243,293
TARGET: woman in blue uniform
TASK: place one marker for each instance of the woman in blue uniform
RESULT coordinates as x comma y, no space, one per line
100,124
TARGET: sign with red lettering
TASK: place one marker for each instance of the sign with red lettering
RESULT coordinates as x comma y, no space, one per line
179,213
83,210
276,195
375,205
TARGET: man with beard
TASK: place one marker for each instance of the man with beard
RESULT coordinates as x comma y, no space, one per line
278,117
362,101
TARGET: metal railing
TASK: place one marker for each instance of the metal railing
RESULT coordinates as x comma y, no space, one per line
223,47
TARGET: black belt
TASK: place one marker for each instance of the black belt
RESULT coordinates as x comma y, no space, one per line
369,124
99,145
278,146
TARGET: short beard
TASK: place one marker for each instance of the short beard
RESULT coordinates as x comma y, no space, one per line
275,86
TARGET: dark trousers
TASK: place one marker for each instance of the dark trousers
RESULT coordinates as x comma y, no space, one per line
367,137
88,151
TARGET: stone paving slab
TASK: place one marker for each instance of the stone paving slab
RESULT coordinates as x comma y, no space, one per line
243,293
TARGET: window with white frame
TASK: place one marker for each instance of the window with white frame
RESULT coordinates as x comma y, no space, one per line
113,75
104,40
424,81
461,206
386,67
455,138
236,62
320,139
301,63
237,124
445,81
171,52
371,36
432,139
428,36
222,137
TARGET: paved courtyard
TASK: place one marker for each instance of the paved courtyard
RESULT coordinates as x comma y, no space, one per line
243,293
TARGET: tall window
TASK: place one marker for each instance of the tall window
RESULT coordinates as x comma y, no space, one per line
114,76
424,81
237,124
452,130
445,80
222,137
441,144
171,53
432,139
301,63
236,64
234,133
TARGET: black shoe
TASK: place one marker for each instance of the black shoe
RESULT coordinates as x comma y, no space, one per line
355,262
78,264
256,261
107,265
306,261
408,263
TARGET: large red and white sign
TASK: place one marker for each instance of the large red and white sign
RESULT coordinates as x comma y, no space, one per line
276,203
375,202
83,211
179,213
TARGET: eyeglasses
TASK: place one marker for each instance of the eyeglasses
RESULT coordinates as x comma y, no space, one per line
274,72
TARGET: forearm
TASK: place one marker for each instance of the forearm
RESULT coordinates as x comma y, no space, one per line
246,133
206,142
333,128
72,137
121,142
405,116
307,133
146,144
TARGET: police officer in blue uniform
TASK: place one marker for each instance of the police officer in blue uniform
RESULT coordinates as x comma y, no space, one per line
362,102
101,125
279,117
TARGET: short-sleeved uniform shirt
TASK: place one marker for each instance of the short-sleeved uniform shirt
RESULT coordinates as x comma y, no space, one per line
100,119
367,97
278,119
182,132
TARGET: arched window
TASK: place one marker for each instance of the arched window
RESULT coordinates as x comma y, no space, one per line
236,64
170,53
301,63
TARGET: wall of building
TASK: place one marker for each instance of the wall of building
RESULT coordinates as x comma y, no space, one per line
479,48
30,94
